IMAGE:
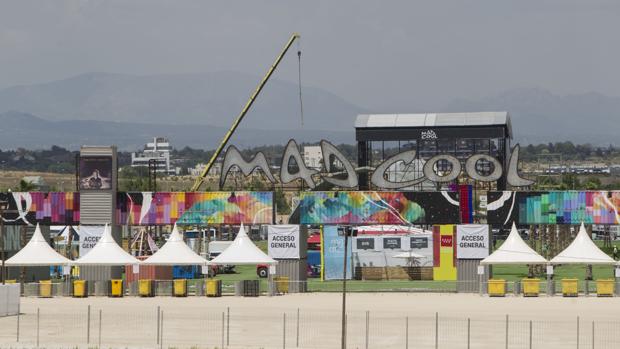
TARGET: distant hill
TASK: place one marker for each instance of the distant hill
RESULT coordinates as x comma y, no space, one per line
539,116
196,110
27,131
181,99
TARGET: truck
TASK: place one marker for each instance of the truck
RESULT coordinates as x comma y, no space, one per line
214,250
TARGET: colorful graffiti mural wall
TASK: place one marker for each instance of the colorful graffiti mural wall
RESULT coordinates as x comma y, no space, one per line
30,208
148,208
554,207
376,207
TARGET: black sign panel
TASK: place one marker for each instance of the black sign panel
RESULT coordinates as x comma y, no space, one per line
391,243
418,242
365,243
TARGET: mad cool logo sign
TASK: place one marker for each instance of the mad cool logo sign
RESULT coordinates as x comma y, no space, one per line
349,178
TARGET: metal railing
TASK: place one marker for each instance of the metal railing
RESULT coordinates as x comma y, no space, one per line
170,327
197,287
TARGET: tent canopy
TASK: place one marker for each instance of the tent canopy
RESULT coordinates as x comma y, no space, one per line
514,251
409,254
582,251
242,251
37,252
107,252
175,252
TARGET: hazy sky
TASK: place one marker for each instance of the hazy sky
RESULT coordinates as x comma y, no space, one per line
383,55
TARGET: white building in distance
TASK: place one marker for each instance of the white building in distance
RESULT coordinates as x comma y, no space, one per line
313,157
158,151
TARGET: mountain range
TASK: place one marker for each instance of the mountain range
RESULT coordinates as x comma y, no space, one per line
197,109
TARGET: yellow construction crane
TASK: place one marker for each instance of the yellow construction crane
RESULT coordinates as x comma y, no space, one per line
245,109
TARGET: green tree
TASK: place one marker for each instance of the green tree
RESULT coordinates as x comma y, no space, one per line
26,186
281,203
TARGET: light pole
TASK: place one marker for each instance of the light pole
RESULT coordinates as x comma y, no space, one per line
3,207
343,338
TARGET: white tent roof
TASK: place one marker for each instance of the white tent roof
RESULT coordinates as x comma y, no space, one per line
242,251
582,251
107,252
409,254
175,252
514,251
37,252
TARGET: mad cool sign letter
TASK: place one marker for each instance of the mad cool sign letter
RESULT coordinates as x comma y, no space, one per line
233,158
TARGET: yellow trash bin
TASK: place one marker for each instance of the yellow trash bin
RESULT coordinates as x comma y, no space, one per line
497,287
570,287
214,288
605,287
116,288
282,284
531,287
180,288
79,289
145,288
45,288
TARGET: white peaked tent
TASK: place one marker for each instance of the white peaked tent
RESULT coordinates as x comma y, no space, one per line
175,252
582,251
408,255
242,251
107,252
37,252
514,251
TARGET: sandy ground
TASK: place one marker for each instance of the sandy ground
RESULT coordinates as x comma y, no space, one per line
393,321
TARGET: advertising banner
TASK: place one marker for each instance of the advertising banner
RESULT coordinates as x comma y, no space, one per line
96,173
283,241
89,236
333,251
444,252
472,241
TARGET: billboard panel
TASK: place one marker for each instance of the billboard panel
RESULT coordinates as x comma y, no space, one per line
30,208
95,173
553,207
377,207
161,208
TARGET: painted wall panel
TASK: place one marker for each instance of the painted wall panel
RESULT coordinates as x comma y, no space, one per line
553,207
148,208
377,207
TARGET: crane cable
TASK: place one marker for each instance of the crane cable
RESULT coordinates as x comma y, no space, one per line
301,103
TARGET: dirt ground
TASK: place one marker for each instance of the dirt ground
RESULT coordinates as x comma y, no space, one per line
383,320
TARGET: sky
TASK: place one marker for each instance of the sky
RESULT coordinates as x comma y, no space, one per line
380,55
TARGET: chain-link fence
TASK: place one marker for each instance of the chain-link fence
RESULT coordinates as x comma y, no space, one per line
170,327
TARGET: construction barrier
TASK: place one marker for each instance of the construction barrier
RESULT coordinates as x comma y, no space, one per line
605,287
145,288
497,288
214,288
570,287
116,288
180,288
12,281
282,284
45,289
80,289
531,287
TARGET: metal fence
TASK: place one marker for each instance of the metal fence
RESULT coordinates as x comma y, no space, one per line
299,328
197,287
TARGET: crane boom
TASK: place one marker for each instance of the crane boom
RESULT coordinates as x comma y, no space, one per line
244,111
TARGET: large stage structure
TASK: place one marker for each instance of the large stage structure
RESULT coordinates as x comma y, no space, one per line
460,135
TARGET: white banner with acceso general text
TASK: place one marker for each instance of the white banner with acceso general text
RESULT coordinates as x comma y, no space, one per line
472,241
89,236
283,241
